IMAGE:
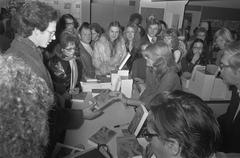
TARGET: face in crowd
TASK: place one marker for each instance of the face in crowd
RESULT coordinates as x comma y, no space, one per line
45,37
86,35
201,35
113,33
153,30
197,48
95,35
69,23
130,32
69,50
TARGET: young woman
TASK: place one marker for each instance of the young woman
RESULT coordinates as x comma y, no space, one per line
222,38
193,57
132,41
109,50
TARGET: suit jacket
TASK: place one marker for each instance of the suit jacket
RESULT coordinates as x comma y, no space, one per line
230,129
88,70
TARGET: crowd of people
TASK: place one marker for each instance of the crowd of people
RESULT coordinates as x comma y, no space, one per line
48,57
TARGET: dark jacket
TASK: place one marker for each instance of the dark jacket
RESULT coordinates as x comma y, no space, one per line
230,129
60,71
88,69
25,49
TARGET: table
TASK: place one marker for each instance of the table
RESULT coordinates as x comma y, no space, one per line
115,114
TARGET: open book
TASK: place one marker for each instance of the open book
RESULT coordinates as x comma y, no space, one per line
102,136
105,99
124,61
138,120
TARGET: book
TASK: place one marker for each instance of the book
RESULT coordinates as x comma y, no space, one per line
124,61
105,99
102,136
79,97
63,150
128,147
138,120
91,153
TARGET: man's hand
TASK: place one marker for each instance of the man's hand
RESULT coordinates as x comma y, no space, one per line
90,113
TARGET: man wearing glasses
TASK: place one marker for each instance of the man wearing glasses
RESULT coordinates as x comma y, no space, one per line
34,31
230,121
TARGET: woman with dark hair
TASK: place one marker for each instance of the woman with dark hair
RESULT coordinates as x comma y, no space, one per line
109,50
65,70
194,57
97,31
66,21
181,125
136,19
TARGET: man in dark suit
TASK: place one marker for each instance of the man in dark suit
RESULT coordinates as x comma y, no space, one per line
153,29
139,65
230,121
86,51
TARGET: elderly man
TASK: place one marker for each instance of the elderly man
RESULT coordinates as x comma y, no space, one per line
230,121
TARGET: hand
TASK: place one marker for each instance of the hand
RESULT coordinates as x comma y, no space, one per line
90,114
195,58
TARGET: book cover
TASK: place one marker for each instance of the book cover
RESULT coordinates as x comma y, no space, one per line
124,61
138,120
63,150
102,136
105,99
91,153
128,147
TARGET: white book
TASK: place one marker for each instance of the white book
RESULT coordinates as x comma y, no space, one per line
124,61
138,120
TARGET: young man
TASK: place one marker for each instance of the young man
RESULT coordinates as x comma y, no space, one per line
86,51
34,31
230,121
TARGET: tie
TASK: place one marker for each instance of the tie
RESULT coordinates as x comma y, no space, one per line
153,40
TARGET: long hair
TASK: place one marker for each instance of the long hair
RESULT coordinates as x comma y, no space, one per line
225,34
190,54
233,49
136,39
186,118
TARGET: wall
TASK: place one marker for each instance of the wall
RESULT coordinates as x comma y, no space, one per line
105,11
173,11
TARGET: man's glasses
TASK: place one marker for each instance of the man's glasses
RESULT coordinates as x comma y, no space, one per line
51,33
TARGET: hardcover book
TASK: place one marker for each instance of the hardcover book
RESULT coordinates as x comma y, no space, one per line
102,136
138,120
105,99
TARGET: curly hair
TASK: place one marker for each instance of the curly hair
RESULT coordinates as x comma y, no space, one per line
24,104
186,118
30,16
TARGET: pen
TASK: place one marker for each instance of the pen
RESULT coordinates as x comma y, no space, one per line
120,125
